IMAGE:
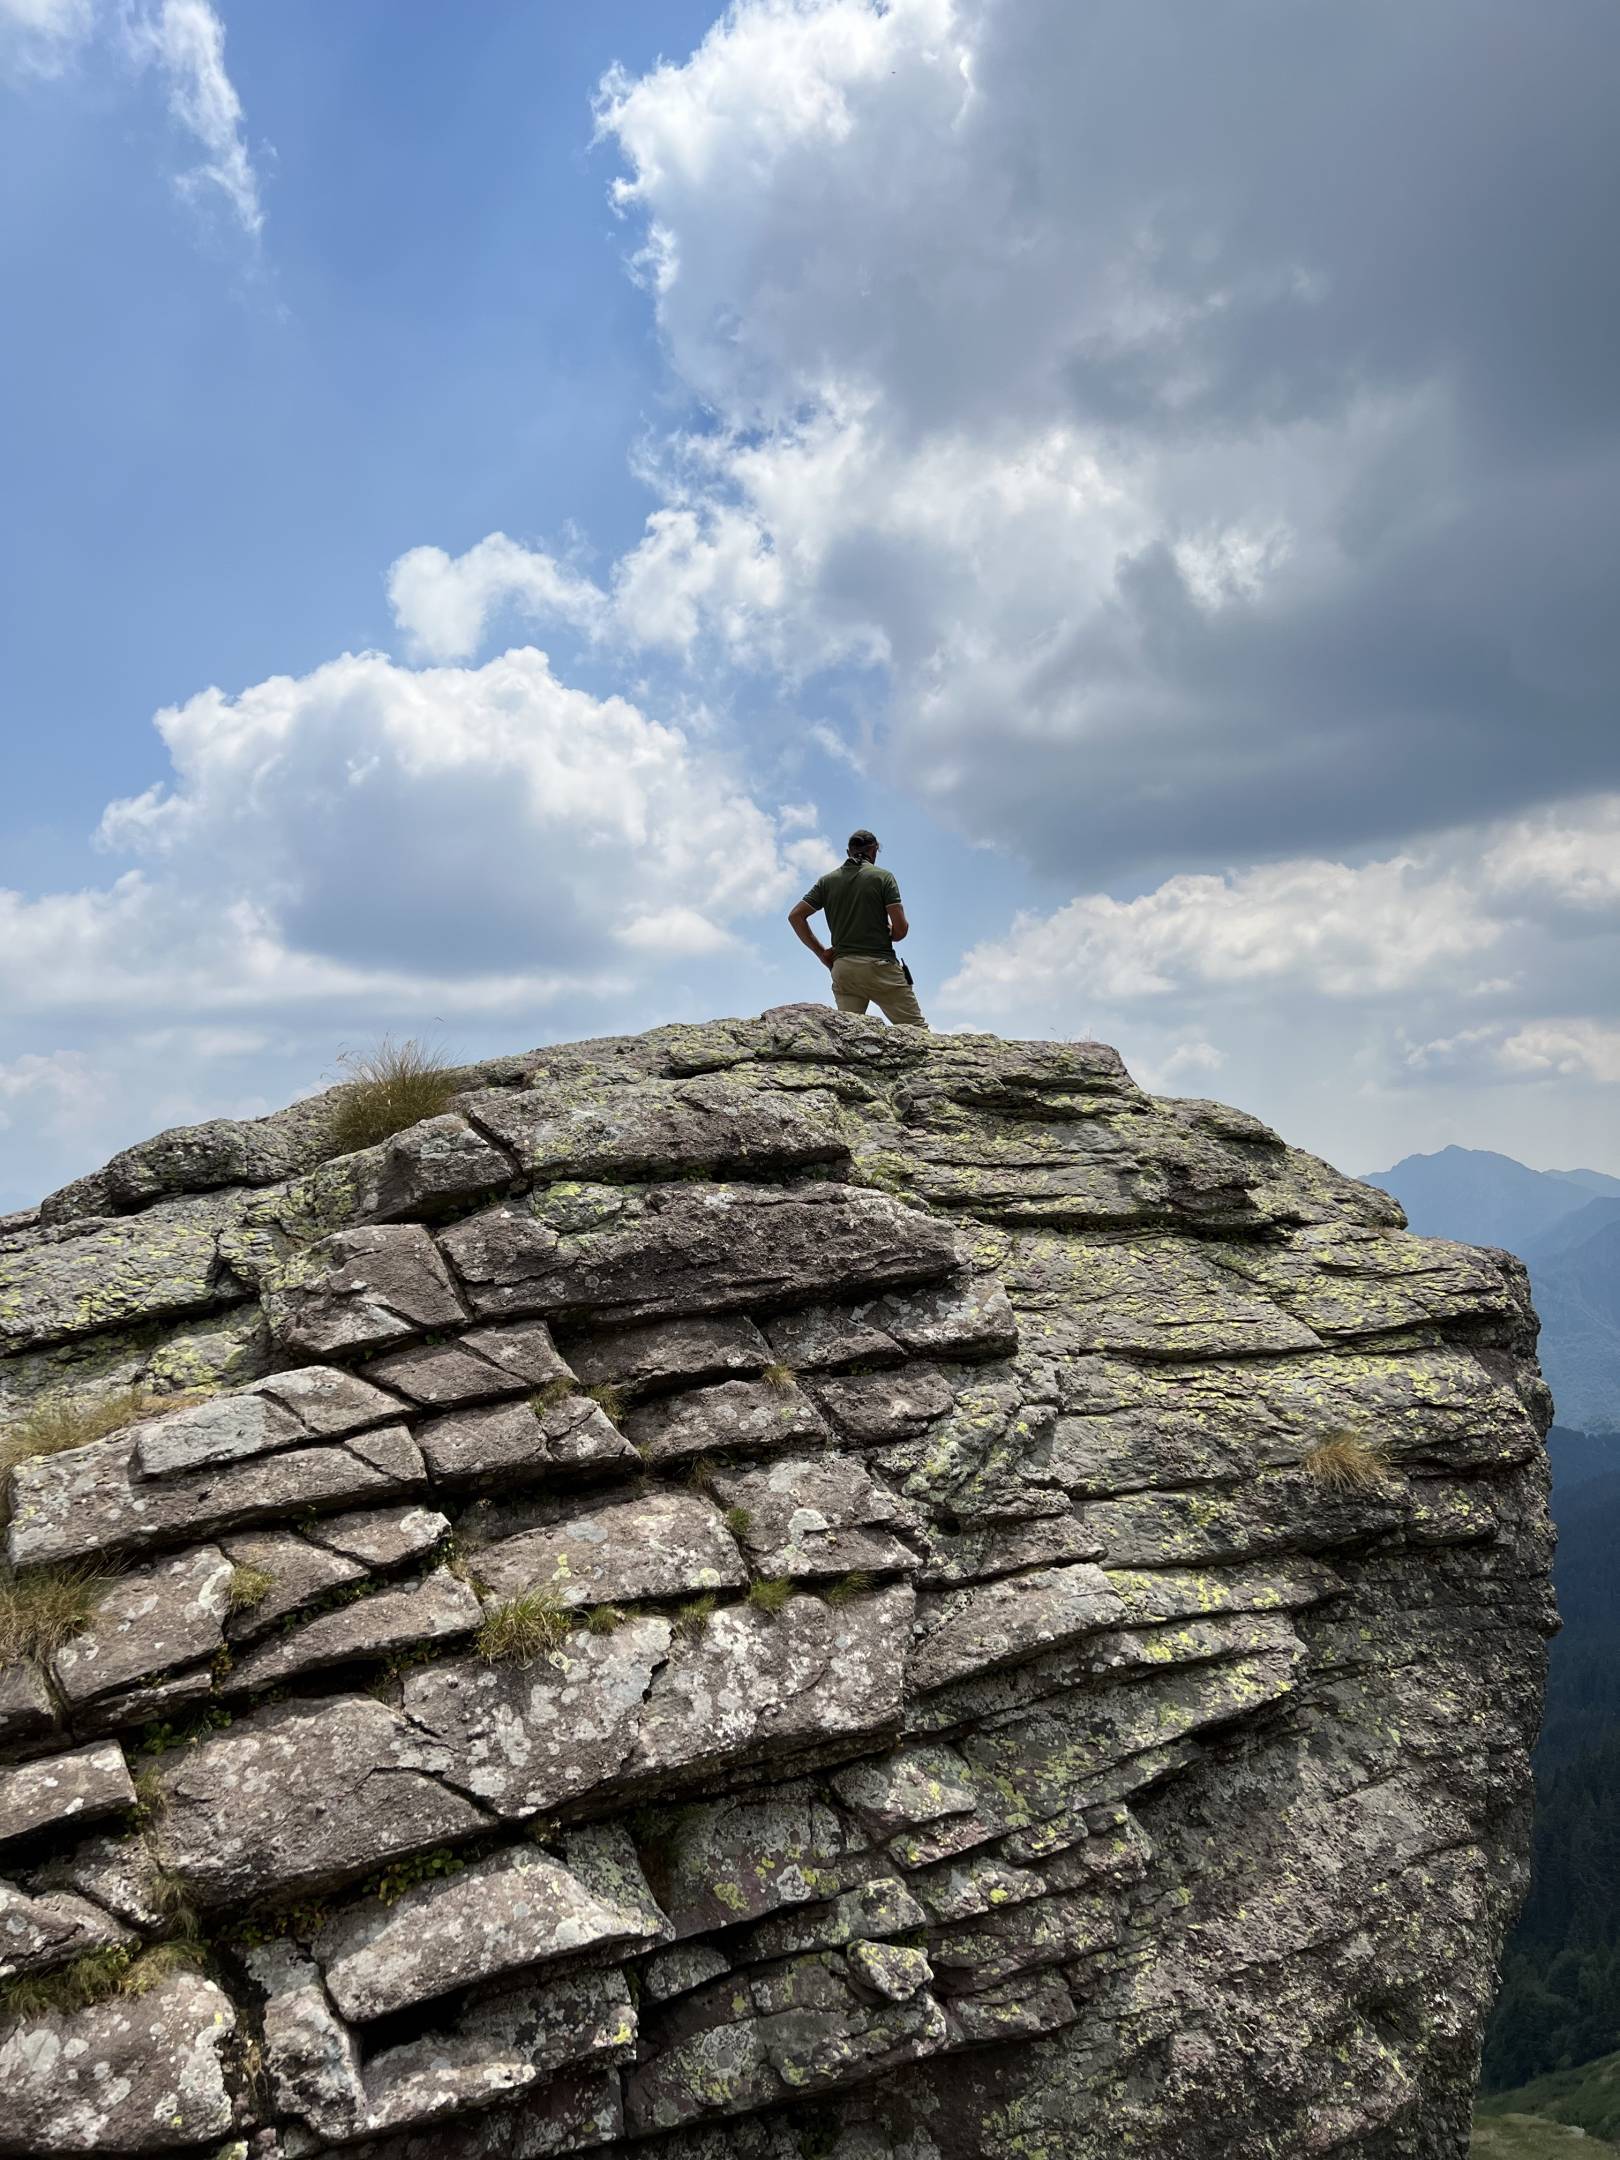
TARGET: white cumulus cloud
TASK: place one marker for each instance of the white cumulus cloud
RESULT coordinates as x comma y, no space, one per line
1182,496
1578,1048
1320,927
486,855
452,822
444,603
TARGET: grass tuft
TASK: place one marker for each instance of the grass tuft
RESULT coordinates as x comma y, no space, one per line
170,1895
1348,1464
778,1376
738,1520
547,1398
42,1610
57,1422
388,1089
161,1962
98,1977
694,1616
90,1979
62,1421
520,1629
769,1593
603,1619
248,1586
609,1400
853,1585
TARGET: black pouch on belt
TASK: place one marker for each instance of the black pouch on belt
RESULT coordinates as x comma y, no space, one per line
905,971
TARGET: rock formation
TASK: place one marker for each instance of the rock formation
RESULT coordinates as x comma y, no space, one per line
778,1590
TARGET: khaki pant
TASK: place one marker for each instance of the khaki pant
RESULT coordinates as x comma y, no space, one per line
859,982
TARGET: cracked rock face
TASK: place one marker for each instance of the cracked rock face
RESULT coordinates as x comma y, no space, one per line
769,1588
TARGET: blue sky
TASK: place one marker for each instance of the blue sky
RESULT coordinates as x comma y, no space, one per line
1155,467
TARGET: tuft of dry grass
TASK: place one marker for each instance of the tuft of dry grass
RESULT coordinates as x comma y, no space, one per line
554,1392
57,1422
1348,1463
609,1400
778,1376
171,1896
388,1089
603,1619
520,1629
769,1593
248,1586
694,1616
45,1608
738,1520
98,1977
152,1967
853,1585
65,1421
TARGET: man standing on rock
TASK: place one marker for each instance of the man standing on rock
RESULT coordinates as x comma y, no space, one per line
865,920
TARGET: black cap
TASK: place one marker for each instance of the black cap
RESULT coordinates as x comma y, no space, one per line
862,838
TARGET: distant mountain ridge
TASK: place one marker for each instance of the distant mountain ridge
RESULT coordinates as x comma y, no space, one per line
1565,1224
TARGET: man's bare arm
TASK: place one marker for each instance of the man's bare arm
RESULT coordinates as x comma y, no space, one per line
799,916
898,926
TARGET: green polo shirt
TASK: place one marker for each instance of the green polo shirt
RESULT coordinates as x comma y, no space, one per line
857,898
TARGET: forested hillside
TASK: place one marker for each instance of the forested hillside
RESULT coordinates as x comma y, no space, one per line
1565,1225
1560,1997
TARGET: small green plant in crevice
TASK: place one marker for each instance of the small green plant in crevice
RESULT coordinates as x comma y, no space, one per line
603,1619
330,1601
162,1738
738,1520
248,1586
45,1608
779,1376
98,1977
404,1661
554,1392
151,1796
700,1475
386,1090
609,1400
390,1884
464,1569
694,1616
522,1628
853,1585
769,1593
1347,1463
302,1922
